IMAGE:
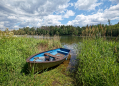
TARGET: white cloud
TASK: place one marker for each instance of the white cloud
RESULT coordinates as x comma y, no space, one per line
82,20
11,17
86,4
112,12
117,1
52,20
69,13
32,12
16,26
100,17
1,25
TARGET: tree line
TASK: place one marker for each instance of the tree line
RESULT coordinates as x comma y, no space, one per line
103,30
49,30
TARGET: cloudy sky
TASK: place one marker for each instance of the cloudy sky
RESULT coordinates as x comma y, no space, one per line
36,13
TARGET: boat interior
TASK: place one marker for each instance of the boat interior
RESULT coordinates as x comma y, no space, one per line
50,55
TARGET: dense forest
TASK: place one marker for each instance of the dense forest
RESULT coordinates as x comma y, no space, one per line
100,29
49,30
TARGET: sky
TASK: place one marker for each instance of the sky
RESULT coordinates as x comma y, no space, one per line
16,14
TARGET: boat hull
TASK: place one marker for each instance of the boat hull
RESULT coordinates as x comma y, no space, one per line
38,66
41,66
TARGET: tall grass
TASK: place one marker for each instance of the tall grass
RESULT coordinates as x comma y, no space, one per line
94,31
98,63
13,54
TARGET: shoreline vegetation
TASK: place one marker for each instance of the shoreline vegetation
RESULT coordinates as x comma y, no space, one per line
98,62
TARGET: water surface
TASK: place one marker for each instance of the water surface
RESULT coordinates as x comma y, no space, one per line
70,42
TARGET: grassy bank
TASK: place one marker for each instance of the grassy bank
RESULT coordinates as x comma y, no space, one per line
13,67
98,63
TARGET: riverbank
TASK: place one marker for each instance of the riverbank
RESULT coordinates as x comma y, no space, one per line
98,62
13,66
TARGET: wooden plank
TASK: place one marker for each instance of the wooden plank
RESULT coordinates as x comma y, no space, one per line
57,56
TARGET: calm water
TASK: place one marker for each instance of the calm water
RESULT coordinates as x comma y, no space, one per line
70,42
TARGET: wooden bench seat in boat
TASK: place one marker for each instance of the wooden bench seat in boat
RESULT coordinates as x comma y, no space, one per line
56,56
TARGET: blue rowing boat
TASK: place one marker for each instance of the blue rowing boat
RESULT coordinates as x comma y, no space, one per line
47,59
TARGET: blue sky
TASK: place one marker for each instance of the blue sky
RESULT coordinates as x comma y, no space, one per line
16,14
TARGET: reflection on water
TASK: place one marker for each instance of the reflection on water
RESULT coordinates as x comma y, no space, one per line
70,42
70,39
71,61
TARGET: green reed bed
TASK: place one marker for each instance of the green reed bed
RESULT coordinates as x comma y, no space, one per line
98,63
13,66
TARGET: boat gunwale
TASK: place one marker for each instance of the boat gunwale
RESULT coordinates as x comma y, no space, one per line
28,59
